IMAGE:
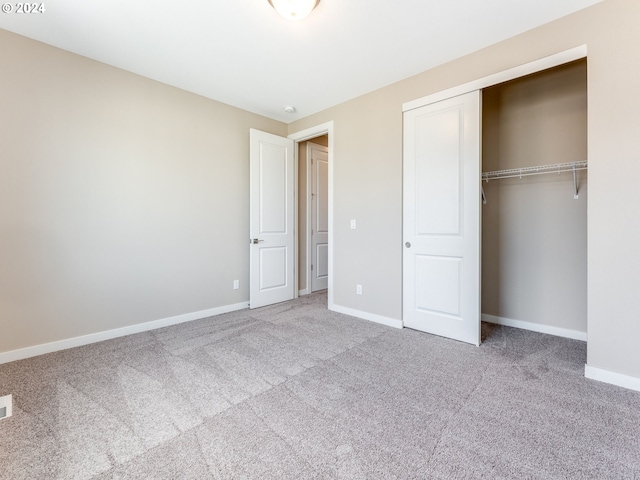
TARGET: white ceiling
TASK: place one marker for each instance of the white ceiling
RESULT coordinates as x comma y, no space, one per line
242,53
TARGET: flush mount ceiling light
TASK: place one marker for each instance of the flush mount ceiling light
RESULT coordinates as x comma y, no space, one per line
294,9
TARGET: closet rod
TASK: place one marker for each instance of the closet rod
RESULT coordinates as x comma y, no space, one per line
538,170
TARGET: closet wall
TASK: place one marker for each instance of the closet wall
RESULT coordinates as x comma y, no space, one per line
534,233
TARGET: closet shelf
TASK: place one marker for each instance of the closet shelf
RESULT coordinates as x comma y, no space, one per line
538,170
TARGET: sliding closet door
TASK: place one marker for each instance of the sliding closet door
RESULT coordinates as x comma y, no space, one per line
441,219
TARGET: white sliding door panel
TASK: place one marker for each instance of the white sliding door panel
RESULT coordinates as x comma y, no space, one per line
438,280
271,276
438,177
441,218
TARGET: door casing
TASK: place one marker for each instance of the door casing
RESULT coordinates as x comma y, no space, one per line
302,136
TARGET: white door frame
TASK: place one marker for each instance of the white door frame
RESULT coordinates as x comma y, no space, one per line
301,136
545,63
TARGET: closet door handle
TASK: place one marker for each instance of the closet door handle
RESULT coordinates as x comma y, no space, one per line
408,244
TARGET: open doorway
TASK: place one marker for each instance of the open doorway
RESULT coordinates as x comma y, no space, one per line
322,136
534,218
313,215
273,215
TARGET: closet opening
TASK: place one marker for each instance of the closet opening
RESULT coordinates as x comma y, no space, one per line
534,232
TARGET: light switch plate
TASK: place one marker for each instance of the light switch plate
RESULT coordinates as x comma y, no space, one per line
6,406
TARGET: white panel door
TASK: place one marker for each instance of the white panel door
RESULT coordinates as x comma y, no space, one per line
271,276
319,165
441,218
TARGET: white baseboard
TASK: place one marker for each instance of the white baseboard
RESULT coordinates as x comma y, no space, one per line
28,352
536,327
372,317
618,379
303,292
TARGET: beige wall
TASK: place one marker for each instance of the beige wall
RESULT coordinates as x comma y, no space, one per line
368,174
367,188
122,200
534,233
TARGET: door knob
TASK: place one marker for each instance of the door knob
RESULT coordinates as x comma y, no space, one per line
408,244
255,241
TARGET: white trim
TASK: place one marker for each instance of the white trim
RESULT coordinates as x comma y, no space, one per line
308,134
535,327
303,292
516,72
372,317
28,352
618,379
313,132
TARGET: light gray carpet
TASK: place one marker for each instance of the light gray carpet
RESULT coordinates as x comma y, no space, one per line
294,391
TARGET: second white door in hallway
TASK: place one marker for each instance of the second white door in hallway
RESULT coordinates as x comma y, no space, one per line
319,167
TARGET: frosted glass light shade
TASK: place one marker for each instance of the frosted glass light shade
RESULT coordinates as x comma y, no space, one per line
294,9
